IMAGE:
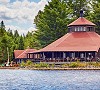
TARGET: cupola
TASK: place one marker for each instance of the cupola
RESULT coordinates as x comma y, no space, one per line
81,25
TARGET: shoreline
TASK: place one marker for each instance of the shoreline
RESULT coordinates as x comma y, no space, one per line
28,68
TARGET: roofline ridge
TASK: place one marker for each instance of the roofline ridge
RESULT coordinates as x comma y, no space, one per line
92,39
88,20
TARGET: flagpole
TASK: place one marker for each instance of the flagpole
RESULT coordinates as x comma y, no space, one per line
8,57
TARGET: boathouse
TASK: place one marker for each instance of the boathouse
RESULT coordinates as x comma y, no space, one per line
80,43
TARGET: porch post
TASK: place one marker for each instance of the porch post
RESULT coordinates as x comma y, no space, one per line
79,56
85,57
96,56
52,55
33,56
43,56
60,56
64,56
29,55
74,56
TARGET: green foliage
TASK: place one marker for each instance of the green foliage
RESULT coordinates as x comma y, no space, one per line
73,65
7,40
41,65
52,22
65,65
16,34
52,65
93,64
21,43
75,6
31,41
82,64
22,64
95,14
78,64
28,63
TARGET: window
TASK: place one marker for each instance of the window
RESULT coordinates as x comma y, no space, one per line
72,55
82,55
69,29
75,29
90,28
84,29
80,28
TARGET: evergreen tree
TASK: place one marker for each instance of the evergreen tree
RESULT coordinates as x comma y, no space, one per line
95,14
52,22
2,29
2,26
21,43
16,34
9,32
30,41
76,5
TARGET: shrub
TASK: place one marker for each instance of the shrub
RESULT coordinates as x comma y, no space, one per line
95,64
82,64
44,64
40,65
36,65
52,65
73,65
28,63
22,64
65,65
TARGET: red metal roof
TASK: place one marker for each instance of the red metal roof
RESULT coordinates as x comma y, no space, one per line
81,21
75,41
22,53
18,52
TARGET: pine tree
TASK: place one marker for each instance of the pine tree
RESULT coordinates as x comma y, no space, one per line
16,34
2,29
21,43
76,5
52,22
95,14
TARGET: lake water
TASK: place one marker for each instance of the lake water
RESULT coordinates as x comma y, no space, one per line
49,80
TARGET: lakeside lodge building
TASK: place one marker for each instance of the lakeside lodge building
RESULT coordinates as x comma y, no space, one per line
80,43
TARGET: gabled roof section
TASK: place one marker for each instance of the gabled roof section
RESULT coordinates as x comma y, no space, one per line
18,52
22,53
81,21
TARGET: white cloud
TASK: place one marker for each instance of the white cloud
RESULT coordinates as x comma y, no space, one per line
4,1
20,12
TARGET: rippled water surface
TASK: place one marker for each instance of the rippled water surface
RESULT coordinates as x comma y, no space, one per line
49,80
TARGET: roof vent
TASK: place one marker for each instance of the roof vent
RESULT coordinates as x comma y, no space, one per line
81,13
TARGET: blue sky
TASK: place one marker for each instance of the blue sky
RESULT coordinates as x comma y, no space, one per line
19,14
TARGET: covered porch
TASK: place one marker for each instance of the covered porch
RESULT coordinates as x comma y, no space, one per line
63,56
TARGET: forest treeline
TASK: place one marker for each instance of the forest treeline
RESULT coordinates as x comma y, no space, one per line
51,24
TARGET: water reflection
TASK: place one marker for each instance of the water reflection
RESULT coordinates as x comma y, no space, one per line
49,80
